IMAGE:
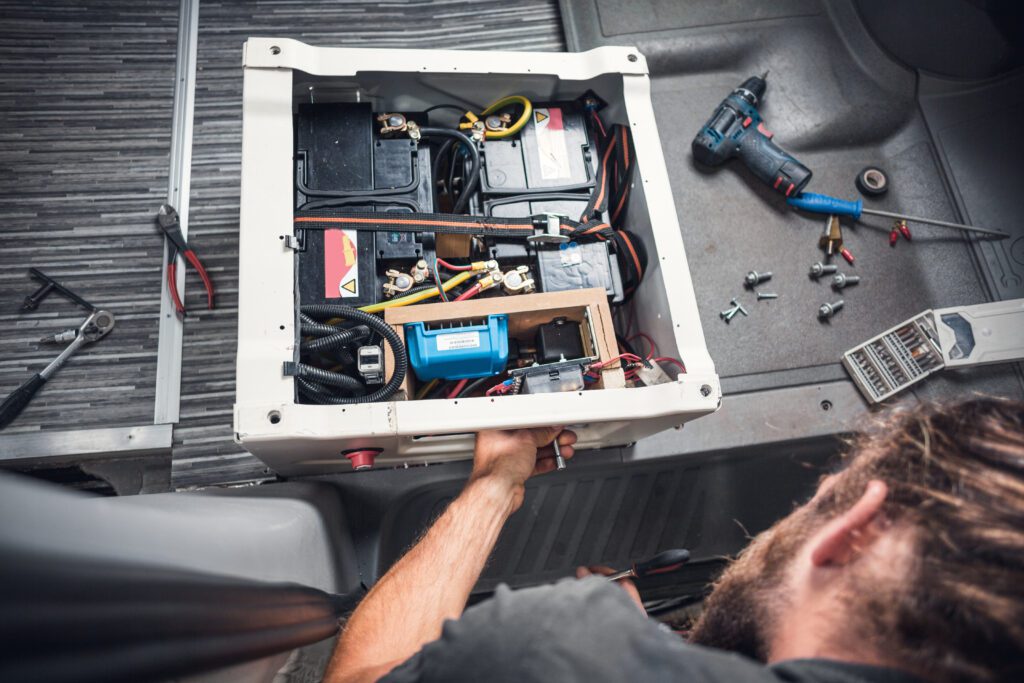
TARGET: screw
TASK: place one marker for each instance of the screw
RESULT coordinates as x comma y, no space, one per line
559,460
826,311
767,295
839,280
727,315
819,269
739,307
755,278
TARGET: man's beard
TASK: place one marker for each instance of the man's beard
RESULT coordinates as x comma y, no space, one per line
744,605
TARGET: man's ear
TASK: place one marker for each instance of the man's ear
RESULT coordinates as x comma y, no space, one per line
837,543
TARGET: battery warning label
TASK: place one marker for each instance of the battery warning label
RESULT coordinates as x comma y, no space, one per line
552,152
341,264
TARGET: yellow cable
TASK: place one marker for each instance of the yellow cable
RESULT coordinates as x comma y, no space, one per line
518,125
426,388
496,106
418,296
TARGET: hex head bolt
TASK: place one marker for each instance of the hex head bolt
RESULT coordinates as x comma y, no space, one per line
826,310
755,278
819,269
839,280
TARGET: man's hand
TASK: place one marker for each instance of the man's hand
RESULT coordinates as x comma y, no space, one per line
512,457
625,584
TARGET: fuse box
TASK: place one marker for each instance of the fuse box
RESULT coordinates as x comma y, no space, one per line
389,214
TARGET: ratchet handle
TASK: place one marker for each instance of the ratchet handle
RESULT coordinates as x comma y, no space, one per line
822,203
662,563
19,398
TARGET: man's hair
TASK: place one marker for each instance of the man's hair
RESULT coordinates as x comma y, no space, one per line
956,480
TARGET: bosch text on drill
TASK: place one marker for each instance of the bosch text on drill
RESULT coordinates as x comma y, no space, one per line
737,129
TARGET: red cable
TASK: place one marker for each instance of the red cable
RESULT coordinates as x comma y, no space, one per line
600,124
452,267
469,293
675,361
653,347
454,393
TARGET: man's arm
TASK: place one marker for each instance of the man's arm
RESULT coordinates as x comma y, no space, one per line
431,583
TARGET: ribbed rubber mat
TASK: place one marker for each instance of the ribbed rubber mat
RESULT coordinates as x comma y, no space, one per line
608,514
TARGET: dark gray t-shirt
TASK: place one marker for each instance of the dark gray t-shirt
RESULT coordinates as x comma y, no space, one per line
590,631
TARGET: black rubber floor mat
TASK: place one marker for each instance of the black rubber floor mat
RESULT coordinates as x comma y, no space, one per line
593,513
838,103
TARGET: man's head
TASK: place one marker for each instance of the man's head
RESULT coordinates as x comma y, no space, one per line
911,556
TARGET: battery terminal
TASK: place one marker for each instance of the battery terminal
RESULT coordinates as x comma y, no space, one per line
517,281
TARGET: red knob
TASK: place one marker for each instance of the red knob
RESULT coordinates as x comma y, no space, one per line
362,460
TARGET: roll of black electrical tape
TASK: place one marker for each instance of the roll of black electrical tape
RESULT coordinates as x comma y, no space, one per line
872,181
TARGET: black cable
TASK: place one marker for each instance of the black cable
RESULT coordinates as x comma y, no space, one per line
474,175
340,337
379,326
453,166
441,155
461,110
321,376
309,326
474,385
318,393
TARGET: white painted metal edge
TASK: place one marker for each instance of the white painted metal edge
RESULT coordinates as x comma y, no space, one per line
286,53
168,360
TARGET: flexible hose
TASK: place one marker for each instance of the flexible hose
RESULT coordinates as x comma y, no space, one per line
379,326
474,154
309,326
317,393
338,338
343,382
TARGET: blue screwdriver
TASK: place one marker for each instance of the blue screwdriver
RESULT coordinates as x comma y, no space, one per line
822,203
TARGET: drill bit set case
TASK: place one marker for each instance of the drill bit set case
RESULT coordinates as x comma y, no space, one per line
434,242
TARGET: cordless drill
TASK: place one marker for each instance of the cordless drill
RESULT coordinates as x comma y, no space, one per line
737,129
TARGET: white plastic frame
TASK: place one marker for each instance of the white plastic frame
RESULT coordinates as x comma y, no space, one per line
297,439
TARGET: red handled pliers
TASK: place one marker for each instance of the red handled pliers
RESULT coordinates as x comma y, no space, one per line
167,217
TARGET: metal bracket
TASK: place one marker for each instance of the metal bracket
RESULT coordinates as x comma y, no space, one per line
551,232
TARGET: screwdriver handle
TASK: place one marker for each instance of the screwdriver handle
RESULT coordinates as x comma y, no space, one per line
822,203
662,563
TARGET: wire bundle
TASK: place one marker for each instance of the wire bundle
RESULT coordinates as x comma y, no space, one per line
319,385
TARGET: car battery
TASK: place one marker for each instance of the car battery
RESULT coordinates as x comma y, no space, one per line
578,265
552,153
341,159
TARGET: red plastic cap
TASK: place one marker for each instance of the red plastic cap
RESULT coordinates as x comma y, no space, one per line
847,255
361,460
